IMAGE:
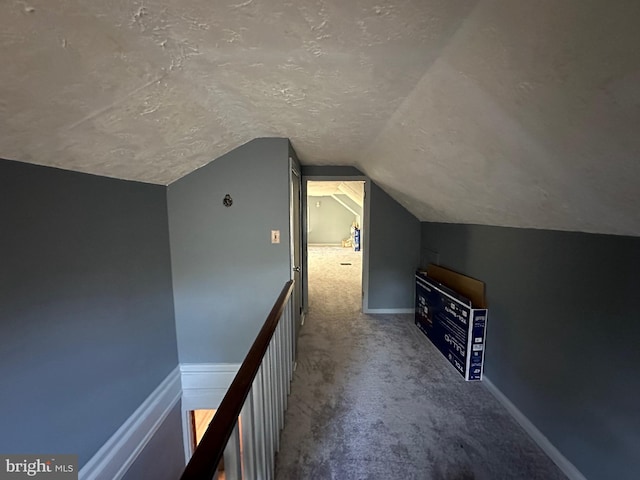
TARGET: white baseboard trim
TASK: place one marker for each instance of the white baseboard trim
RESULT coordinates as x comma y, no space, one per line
389,311
536,435
115,457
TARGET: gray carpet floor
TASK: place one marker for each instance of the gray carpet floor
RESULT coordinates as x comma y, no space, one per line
371,398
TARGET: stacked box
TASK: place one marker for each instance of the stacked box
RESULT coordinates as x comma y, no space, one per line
452,324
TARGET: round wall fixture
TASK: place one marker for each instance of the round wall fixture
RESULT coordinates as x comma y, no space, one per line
227,201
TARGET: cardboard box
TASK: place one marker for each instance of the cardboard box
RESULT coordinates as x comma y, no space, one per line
454,320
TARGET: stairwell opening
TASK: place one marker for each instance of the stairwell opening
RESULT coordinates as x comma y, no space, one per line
200,420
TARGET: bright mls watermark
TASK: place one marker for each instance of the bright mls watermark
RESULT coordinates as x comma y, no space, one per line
52,467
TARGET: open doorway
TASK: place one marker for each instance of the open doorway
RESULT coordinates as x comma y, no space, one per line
200,420
334,240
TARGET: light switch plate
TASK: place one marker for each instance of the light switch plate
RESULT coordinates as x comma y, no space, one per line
275,236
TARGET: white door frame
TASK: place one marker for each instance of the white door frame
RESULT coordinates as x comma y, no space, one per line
299,311
364,240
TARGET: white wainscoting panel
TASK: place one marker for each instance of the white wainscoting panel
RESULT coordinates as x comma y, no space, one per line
203,388
115,457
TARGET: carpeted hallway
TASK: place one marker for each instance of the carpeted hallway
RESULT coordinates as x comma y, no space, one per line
372,399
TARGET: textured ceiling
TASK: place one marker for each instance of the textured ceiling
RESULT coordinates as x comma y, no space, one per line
494,112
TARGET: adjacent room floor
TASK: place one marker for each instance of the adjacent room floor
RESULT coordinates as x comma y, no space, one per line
372,399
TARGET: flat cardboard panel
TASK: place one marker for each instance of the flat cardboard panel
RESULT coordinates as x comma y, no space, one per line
469,287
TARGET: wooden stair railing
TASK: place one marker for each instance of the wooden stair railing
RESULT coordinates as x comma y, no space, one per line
209,452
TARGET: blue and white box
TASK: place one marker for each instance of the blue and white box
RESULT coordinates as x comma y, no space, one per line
452,324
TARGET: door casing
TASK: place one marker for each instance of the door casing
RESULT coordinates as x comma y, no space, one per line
364,240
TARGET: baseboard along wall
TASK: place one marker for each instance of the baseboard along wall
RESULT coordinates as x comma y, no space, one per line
389,311
568,468
203,386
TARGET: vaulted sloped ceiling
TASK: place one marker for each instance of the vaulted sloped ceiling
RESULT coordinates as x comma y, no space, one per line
353,190
499,112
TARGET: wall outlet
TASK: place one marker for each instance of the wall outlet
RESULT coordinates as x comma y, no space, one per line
275,236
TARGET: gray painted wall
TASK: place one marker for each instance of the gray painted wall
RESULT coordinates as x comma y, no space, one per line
163,457
562,334
226,272
329,223
394,252
86,311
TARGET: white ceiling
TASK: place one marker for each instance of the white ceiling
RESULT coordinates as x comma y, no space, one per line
496,112
353,189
